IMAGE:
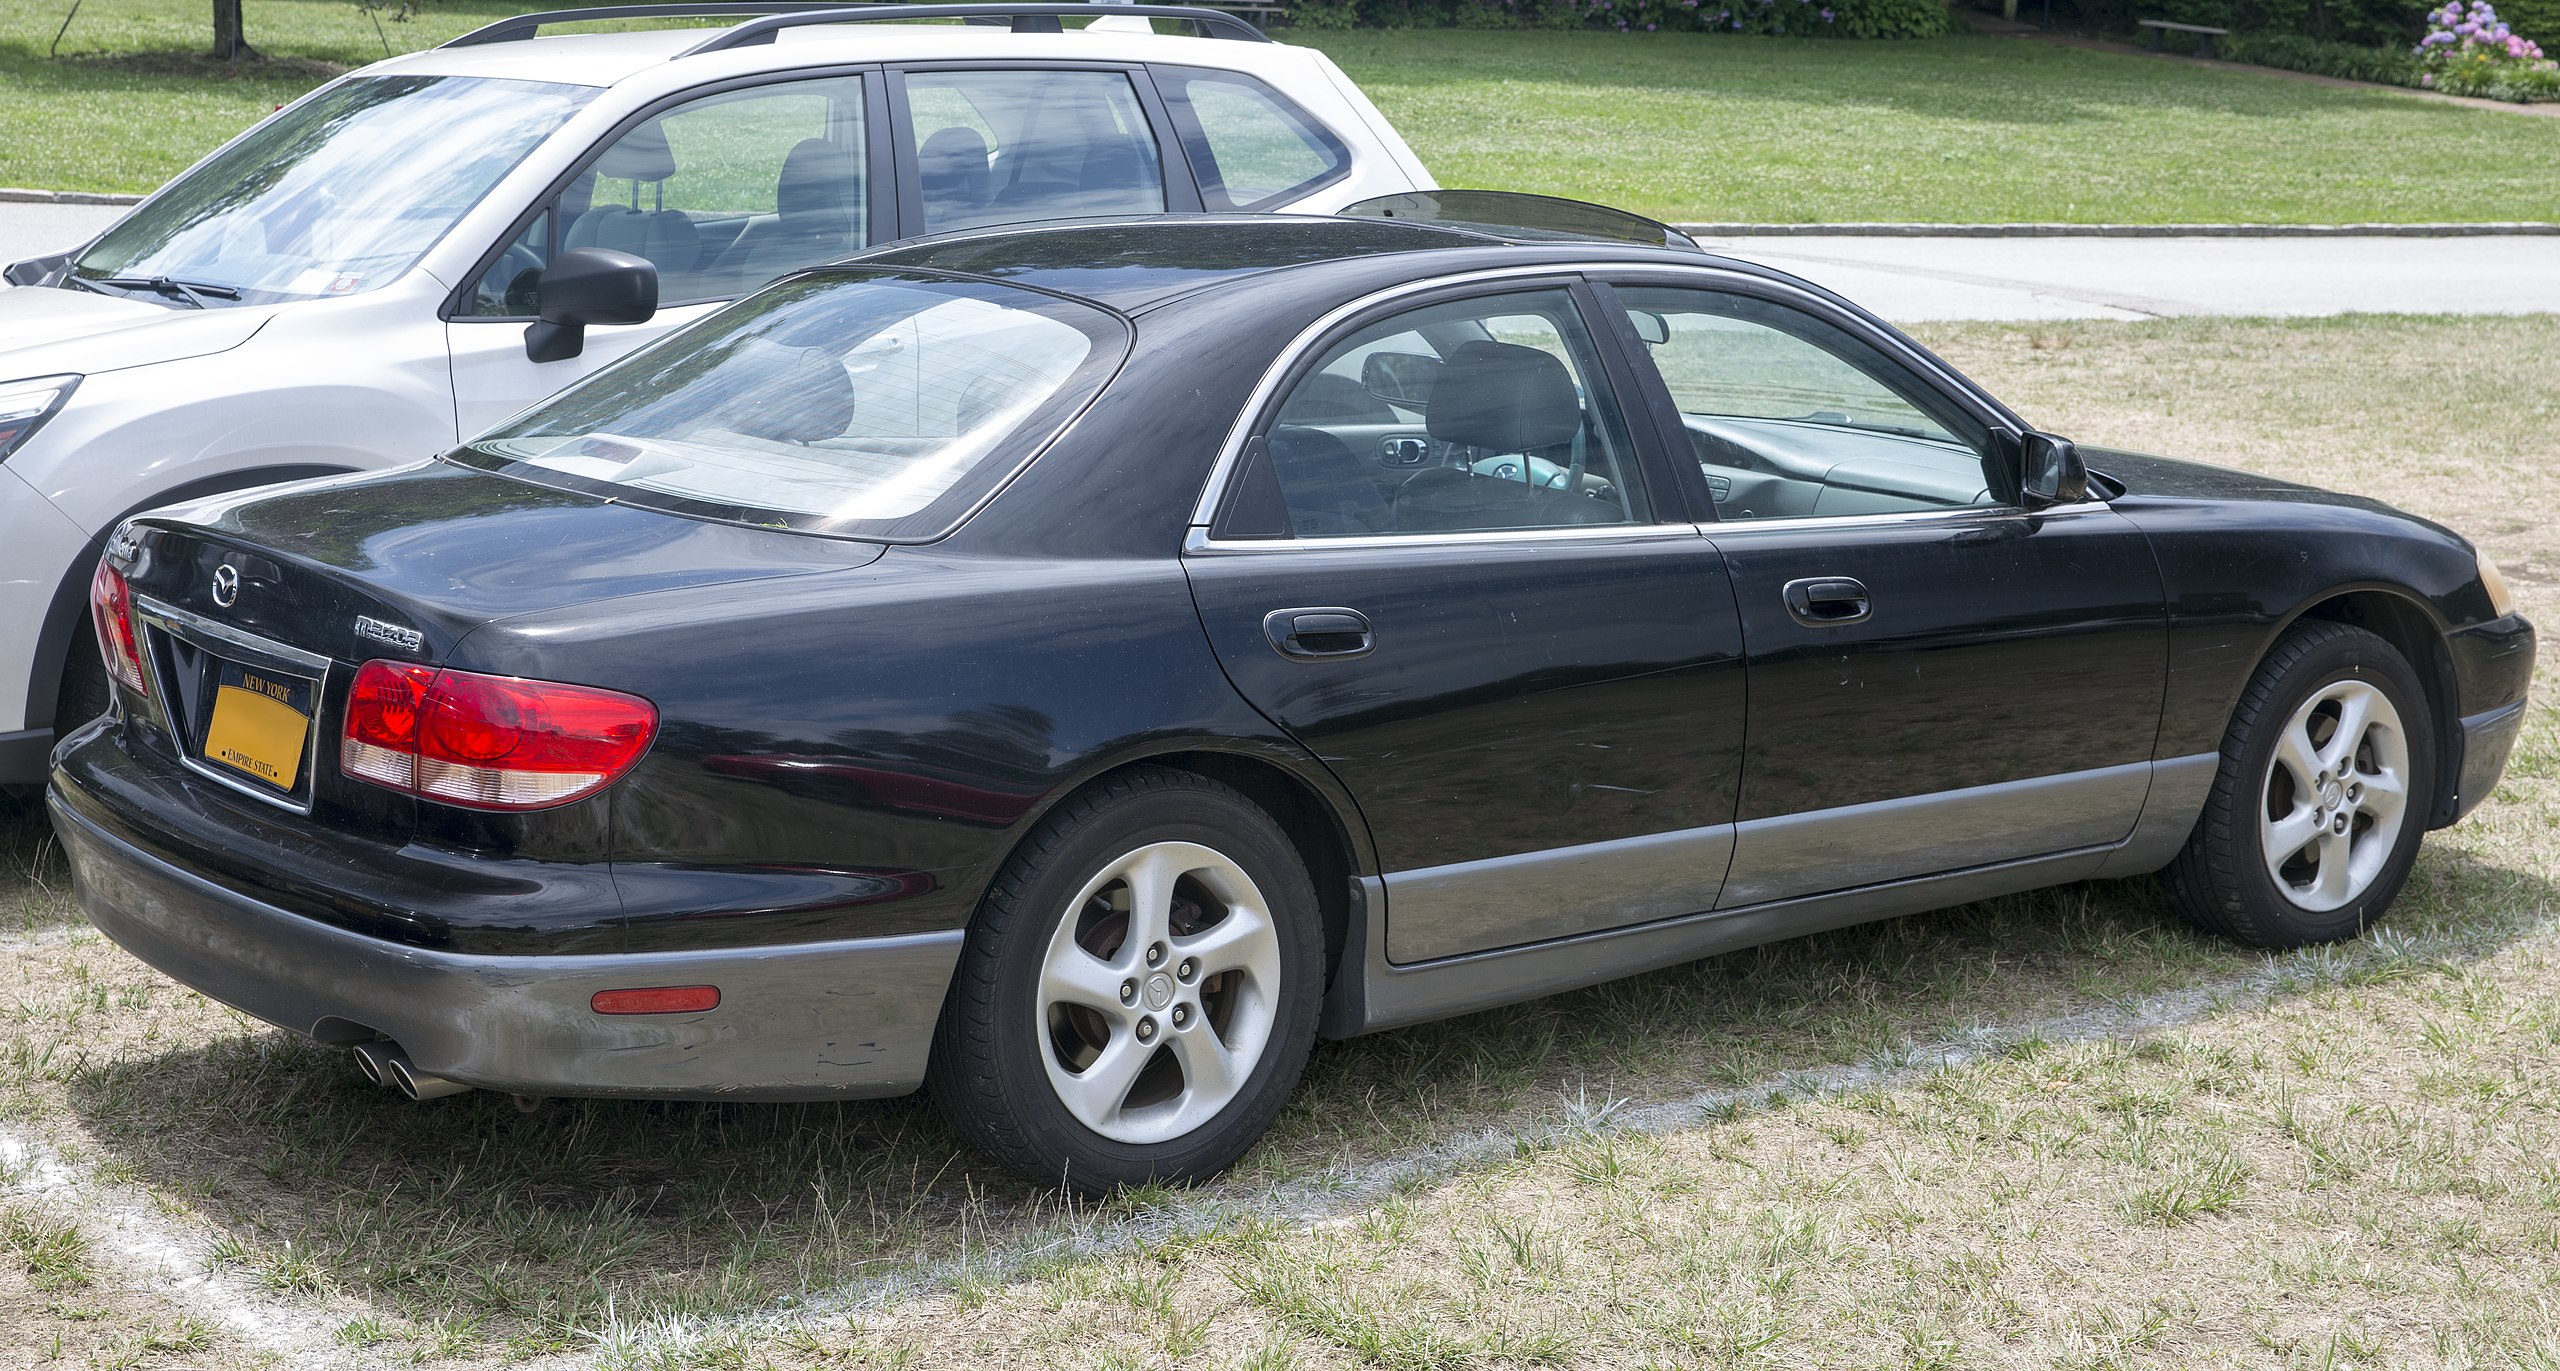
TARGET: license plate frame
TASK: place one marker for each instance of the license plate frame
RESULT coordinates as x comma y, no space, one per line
183,655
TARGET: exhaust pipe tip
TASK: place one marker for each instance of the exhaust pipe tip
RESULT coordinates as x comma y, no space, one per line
418,1085
374,1060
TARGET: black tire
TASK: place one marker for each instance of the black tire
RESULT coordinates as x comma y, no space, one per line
82,696
988,1075
2221,881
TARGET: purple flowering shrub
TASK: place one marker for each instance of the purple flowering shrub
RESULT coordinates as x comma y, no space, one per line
2468,50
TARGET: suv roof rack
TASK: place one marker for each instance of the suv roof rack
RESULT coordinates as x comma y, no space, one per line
767,19
1519,214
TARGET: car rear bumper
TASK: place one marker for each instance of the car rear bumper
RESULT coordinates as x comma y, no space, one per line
808,1021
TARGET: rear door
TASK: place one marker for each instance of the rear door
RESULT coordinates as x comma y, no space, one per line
1501,637
722,190
1940,679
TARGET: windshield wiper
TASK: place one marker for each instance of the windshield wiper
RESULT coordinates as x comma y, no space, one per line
193,292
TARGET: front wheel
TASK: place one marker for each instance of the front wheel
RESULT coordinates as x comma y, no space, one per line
1139,991
2316,811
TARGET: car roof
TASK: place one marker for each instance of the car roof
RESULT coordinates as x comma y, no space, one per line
608,59
1133,264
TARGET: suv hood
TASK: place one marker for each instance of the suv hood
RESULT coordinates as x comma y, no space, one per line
47,329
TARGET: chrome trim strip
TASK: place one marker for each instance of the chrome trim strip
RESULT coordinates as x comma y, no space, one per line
226,634
1788,856
1204,510
1198,539
1959,515
1529,897
226,640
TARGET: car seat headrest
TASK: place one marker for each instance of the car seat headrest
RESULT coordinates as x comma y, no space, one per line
1502,397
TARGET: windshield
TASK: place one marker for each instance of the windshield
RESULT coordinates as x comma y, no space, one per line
869,403
337,195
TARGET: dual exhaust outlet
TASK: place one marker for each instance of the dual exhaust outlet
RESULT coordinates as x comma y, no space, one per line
385,1064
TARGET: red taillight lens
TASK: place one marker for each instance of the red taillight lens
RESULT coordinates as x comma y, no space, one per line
489,742
111,604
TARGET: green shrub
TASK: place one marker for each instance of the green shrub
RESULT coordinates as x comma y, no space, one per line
1896,18
2347,61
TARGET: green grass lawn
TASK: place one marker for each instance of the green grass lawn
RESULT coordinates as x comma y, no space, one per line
1687,127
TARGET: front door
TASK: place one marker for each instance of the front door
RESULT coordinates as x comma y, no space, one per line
1940,679
1445,571
722,193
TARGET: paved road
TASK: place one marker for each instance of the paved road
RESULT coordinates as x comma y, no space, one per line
1916,279
29,230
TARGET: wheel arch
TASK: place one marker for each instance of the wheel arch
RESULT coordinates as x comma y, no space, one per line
2403,619
1319,817
66,618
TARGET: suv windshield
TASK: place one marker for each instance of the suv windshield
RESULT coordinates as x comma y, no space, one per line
337,195
864,403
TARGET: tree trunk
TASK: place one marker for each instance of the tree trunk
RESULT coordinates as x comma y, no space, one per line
229,43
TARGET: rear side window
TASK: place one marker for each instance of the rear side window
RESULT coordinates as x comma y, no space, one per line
1249,146
1000,147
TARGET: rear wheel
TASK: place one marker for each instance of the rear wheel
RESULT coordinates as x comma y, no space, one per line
1139,991
2319,803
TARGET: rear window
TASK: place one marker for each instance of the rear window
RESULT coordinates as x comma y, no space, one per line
1250,148
861,403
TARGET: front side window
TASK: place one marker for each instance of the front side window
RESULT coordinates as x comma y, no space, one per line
1483,414
863,403
721,194
1792,417
1001,147
339,195
1249,146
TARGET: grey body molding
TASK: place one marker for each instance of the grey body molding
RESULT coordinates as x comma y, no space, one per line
2148,807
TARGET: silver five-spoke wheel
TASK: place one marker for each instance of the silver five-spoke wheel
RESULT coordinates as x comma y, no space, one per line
2337,793
1158,991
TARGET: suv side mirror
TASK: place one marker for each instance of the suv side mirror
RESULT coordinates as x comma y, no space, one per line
2050,471
589,286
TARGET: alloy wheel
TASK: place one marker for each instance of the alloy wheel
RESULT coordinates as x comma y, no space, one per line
1158,992
2337,794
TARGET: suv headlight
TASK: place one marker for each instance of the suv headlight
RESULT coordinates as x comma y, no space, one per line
25,405
2502,601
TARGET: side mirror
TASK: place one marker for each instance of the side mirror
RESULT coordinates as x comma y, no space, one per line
2050,471
1400,378
1651,327
588,286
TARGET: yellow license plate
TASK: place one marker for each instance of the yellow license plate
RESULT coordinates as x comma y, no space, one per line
259,724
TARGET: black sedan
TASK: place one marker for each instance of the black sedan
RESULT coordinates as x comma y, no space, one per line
1077,667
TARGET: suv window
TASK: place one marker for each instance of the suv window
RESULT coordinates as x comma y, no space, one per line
997,147
1248,145
723,194
1474,415
1794,417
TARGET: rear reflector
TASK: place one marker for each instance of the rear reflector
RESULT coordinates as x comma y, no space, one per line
488,742
657,999
111,604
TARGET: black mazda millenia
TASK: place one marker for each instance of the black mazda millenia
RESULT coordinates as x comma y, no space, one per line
1077,667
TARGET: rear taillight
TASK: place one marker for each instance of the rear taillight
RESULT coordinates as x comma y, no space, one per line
489,742
111,604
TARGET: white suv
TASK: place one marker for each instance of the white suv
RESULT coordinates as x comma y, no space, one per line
423,247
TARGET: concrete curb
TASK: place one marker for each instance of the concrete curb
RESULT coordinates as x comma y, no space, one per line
14,195
2527,228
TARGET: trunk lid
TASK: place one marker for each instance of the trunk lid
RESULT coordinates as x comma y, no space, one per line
284,592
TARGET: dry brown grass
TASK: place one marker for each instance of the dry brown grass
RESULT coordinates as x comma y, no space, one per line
2345,1159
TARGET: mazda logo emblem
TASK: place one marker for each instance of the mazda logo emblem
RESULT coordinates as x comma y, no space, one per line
226,585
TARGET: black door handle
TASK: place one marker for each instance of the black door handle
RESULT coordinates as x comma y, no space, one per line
1325,633
1827,601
